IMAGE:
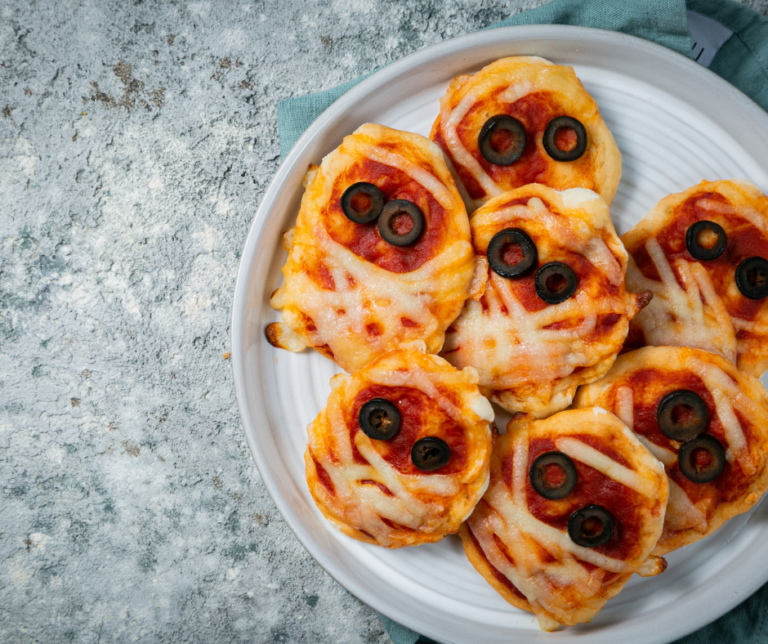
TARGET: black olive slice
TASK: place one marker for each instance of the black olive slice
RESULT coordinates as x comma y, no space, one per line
500,246
752,278
682,415
431,453
705,240
550,138
505,132
591,526
393,223
702,460
362,202
379,419
541,478
555,282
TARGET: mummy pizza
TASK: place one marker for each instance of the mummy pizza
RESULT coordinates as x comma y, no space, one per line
550,311
400,454
574,507
380,254
704,255
525,120
701,417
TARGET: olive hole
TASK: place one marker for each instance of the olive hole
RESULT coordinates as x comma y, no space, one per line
502,140
566,139
757,277
380,419
512,254
707,238
592,527
683,414
401,223
701,459
554,475
556,283
361,203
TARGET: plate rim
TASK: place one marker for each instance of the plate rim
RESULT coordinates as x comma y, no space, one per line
238,320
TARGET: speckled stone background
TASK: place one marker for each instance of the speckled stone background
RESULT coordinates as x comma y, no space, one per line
136,140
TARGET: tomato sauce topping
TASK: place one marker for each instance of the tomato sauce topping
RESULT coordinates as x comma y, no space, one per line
650,386
744,240
592,488
364,240
420,416
534,111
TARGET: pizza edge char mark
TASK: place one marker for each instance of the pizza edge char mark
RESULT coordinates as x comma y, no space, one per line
365,489
741,406
513,550
692,297
519,352
350,309
532,89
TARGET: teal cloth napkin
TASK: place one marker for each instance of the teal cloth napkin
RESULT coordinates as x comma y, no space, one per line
742,59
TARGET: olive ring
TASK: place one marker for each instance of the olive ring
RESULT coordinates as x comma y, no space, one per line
376,203
550,138
496,247
509,124
752,278
555,282
379,419
675,426
430,454
705,253
538,475
707,472
400,208
591,526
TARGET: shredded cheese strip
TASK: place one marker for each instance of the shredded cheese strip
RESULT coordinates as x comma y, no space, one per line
625,406
442,195
682,514
607,466
451,120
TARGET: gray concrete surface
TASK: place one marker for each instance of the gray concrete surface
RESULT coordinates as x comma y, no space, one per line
136,140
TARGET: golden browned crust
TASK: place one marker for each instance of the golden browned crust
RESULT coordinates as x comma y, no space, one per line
532,356
697,303
369,489
512,533
534,91
349,294
651,373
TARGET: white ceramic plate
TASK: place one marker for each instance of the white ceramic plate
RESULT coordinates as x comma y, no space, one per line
676,123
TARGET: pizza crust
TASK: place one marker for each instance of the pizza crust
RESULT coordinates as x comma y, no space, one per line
513,538
369,489
738,405
347,293
533,360
534,91
696,303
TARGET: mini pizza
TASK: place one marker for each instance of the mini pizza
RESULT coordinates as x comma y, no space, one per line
380,254
526,120
703,253
549,312
705,420
574,508
400,454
